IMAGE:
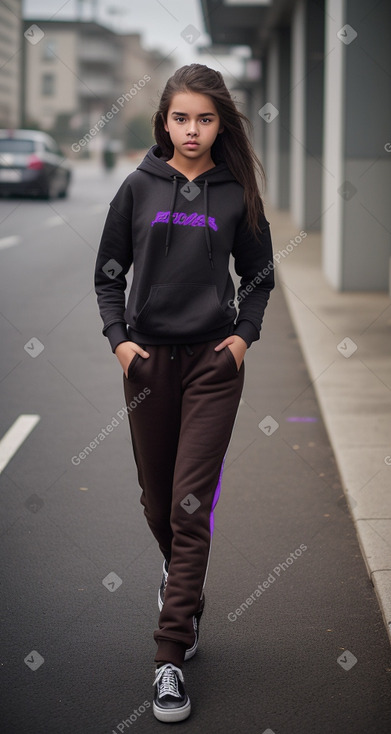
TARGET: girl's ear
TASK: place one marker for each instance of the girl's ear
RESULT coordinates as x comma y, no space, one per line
221,130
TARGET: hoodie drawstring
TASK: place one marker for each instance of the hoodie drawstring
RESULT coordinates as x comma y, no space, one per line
172,206
174,349
206,215
207,228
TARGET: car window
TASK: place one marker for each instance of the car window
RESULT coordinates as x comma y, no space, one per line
51,147
15,145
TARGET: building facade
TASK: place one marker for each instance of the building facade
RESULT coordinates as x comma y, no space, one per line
321,109
86,84
11,42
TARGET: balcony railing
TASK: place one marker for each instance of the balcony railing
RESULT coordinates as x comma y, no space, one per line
98,52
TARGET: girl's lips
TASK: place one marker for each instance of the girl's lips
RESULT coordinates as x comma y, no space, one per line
191,144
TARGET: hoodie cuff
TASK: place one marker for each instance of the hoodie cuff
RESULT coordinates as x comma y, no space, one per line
116,333
247,331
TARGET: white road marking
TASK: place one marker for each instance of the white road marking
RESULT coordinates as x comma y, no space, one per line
14,437
53,221
10,241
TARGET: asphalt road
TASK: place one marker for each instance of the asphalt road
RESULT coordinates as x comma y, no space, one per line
292,639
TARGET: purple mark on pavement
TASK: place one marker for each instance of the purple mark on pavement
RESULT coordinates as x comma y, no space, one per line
301,419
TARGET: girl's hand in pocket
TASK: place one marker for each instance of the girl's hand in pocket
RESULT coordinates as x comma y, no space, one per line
126,351
237,346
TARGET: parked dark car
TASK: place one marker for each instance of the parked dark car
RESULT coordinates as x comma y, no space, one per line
32,163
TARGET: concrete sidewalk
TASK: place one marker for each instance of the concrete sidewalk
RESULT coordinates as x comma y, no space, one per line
345,339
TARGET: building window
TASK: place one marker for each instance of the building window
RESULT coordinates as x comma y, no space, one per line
49,49
48,85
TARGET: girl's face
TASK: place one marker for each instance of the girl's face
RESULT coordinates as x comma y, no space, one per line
192,124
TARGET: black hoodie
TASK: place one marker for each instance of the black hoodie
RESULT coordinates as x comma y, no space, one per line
179,235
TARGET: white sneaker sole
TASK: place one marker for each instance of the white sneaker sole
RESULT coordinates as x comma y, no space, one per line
171,715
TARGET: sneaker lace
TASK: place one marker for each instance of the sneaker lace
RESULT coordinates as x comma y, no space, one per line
167,678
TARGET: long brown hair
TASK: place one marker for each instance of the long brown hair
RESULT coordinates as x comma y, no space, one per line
232,145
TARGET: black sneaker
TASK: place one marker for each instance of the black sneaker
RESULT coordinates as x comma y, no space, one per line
191,651
171,702
160,596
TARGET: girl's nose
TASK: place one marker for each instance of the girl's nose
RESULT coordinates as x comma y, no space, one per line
192,129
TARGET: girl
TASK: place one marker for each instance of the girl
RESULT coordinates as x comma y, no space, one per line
190,204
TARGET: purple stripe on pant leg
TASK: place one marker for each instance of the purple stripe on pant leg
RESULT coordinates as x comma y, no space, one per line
216,497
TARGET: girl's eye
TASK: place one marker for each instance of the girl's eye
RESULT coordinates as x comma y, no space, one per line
203,119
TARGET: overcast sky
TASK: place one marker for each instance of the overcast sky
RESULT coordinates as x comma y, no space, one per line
160,22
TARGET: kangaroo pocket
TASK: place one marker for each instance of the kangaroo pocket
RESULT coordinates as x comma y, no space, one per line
183,309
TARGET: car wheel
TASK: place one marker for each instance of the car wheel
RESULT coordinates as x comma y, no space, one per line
64,192
49,191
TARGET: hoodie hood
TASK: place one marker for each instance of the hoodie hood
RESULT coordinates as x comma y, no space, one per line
155,164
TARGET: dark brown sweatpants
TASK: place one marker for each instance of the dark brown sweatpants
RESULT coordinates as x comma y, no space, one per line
180,434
